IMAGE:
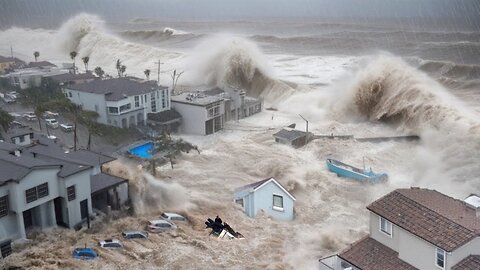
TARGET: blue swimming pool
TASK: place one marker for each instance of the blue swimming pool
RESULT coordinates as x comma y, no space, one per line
143,150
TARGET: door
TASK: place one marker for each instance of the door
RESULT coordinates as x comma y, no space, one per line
84,209
28,219
59,212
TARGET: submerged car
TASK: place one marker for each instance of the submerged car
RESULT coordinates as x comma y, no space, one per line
30,116
135,235
52,123
173,217
66,127
49,114
110,244
84,254
160,225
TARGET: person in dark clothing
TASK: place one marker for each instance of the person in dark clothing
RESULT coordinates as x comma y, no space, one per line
218,220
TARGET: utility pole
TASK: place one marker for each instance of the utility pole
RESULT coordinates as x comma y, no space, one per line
158,75
11,51
306,136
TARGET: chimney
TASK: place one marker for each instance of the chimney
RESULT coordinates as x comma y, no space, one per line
473,204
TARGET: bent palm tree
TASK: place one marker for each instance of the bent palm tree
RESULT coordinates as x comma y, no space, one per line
36,54
99,72
85,62
147,74
73,54
5,120
118,66
123,68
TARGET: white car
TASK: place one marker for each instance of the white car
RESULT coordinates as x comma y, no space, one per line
30,116
52,123
173,217
135,235
160,225
13,94
66,127
110,243
49,115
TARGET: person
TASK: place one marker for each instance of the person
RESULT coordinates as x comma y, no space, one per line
218,220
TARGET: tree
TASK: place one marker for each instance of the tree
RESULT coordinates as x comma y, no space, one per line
5,120
36,54
123,68
88,118
99,72
39,110
85,62
73,54
118,66
147,74
175,77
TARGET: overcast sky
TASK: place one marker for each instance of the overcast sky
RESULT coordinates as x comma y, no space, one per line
43,12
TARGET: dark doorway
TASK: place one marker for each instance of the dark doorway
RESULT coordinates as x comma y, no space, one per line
84,208
28,219
59,213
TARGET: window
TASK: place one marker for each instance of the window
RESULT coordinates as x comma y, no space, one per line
113,110
125,107
71,193
22,139
277,202
70,94
385,226
35,193
6,248
137,101
31,194
440,258
239,201
153,102
4,206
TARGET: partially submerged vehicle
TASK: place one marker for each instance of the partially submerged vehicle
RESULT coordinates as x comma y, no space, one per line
110,244
135,235
160,225
363,175
222,230
173,217
84,254
51,123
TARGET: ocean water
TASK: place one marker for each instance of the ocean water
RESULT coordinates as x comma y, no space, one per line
370,78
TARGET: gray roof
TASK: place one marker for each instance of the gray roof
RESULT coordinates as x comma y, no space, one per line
14,168
69,77
41,64
8,147
165,116
290,135
90,157
214,91
253,185
17,132
117,88
102,181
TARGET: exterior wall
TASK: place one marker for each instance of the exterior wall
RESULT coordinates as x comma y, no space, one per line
8,224
5,65
81,181
123,193
264,201
470,248
193,118
26,140
375,233
26,80
90,102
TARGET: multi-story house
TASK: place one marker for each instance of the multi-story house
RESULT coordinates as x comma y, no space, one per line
42,186
120,102
416,229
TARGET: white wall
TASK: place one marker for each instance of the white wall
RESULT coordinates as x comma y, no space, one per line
81,181
193,117
88,102
263,200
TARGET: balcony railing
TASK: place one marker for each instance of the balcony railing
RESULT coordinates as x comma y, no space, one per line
335,263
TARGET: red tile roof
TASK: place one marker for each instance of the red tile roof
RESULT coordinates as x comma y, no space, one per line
369,254
471,262
441,220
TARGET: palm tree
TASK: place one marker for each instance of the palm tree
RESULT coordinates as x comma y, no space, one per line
88,118
73,54
147,74
5,120
123,68
99,71
85,62
175,77
118,66
39,110
36,54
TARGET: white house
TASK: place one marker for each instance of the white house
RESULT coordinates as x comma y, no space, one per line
267,195
120,102
42,186
416,229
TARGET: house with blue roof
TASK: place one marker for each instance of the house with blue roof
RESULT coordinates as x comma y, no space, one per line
267,195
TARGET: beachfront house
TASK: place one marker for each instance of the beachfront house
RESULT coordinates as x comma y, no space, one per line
416,229
201,114
7,64
43,186
267,195
19,136
292,137
120,102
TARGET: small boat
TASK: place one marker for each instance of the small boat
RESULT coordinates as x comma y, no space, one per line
344,170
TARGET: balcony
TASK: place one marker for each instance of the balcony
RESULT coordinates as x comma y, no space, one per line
335,263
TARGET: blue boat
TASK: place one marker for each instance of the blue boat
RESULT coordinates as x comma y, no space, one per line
344,170
84,254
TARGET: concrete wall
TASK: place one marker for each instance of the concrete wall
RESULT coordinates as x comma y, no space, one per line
26,140
90,102
193,118
8,224
81,181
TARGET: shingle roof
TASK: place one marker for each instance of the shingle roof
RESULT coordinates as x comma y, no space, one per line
471,262
214,91
369,254
257,185
90,157
117,88
69,77
14,168
290,134
165,116
441,220
41,64
102,181
253,185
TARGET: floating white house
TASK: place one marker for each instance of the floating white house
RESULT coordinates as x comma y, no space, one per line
267,195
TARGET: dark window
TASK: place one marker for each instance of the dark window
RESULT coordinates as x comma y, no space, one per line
70,94
4,206
125,107
31,194
278,201
84,209
112,109
42,190
6,248
71,193
137,101
22,138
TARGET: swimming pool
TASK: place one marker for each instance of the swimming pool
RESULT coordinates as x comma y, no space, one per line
143,150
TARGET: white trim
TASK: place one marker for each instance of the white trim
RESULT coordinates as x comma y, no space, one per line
444,258
278,184
380,227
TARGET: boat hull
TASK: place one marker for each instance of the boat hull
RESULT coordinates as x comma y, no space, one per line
344,170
